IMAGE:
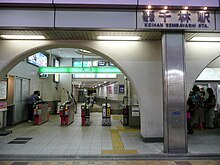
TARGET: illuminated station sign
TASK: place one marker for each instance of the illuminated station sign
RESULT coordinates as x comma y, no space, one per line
176,19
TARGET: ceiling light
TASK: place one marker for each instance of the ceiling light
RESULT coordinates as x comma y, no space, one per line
205,39
130,38
186,7
26,37
149,6
205,8
165,7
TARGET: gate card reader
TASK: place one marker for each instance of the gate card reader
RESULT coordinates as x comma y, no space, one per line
41,113
106,114
67,113
85,114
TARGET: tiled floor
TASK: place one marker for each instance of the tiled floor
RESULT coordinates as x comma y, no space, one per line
50,139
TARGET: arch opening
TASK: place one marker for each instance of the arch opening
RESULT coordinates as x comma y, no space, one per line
203,113
42,49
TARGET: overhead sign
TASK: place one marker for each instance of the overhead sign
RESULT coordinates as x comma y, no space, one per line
176,19
208,3
102,63
54,70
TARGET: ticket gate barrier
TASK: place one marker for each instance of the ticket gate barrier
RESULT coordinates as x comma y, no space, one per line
85,114
67,113
106,114
41,113
125,112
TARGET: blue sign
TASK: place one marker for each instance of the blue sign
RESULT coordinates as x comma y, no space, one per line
102,63
121,88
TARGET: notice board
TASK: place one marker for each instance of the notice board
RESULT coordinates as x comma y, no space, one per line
3,90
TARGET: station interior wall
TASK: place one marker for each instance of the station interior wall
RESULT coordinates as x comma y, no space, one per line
113,94
29,71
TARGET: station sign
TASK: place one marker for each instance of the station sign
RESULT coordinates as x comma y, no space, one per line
176,19
207,3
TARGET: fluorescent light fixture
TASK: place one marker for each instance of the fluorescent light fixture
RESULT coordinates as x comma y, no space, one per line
165,7
23,37
126,38
205,39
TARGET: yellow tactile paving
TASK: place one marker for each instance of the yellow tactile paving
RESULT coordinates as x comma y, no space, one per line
114,162
119,152
116,117
117,145
124,129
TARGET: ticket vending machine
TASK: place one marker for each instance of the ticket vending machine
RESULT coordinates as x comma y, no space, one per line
41,113
67,113
106,114
85,114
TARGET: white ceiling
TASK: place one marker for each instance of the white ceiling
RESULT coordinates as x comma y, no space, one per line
71,53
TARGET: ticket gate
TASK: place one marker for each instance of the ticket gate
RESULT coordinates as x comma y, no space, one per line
85,114
106,114
125,113
41,113
67,113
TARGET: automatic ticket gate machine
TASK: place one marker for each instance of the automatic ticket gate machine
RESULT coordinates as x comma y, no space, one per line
85,114
106,114
67,113
41,112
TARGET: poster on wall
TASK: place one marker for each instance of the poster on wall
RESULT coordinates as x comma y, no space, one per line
121,89
3,90
109,89
115,89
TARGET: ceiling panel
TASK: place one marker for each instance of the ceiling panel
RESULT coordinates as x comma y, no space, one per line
82,35
52,34
189,36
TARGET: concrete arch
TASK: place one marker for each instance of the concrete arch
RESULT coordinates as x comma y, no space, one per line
198,56
19,57
140,61
27,53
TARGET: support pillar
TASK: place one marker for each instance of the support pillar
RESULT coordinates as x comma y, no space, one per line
175,135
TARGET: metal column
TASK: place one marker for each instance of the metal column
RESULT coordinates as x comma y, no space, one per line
175,137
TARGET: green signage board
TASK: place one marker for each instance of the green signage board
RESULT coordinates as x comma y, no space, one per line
54,70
